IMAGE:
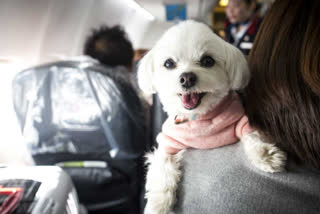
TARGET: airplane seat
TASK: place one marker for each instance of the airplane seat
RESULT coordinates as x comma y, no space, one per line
87,119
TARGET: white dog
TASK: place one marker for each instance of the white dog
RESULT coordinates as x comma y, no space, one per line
192,69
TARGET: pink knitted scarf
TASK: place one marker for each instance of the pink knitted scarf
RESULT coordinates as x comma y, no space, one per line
223,125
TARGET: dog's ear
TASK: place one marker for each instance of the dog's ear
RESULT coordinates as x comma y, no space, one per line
145,70
237,67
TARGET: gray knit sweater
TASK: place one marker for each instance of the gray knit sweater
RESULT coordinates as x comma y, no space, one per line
223,181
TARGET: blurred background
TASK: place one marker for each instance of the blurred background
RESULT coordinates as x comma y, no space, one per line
41,31
36,32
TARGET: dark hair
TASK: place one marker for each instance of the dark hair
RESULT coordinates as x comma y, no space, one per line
282,99
248,2
257,4
110,46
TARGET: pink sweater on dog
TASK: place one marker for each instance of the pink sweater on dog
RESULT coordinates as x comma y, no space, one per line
223,125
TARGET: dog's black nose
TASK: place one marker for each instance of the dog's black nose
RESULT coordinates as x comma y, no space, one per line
188,79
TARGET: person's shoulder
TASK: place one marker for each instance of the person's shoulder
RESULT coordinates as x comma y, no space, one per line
258,19
216,158
227,168
254,25
227,25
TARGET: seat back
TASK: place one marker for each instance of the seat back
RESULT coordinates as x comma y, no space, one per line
87,119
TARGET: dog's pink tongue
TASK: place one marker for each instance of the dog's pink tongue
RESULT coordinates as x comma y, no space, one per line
190,100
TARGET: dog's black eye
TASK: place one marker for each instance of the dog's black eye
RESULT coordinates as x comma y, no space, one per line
207,61
169,64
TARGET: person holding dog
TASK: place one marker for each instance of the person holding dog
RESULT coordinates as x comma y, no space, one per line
242,24
282,102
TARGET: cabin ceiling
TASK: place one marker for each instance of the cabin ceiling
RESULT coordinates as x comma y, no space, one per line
39,31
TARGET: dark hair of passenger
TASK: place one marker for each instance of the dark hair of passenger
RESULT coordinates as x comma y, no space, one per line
282,99
110,46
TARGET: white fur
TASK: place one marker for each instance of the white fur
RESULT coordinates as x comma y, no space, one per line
162,181
263,155
186,43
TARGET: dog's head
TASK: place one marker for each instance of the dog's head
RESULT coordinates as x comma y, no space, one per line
192,69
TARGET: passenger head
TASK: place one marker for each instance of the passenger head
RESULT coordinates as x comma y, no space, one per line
282,99
110,46
240,10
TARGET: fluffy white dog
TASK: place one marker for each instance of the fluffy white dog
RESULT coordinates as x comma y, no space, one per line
192,69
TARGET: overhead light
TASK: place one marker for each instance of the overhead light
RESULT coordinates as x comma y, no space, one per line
223,3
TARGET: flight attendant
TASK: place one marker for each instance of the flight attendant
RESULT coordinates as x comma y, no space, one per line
242,24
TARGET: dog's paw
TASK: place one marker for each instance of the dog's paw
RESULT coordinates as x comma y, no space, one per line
163,177
159,202
265,156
